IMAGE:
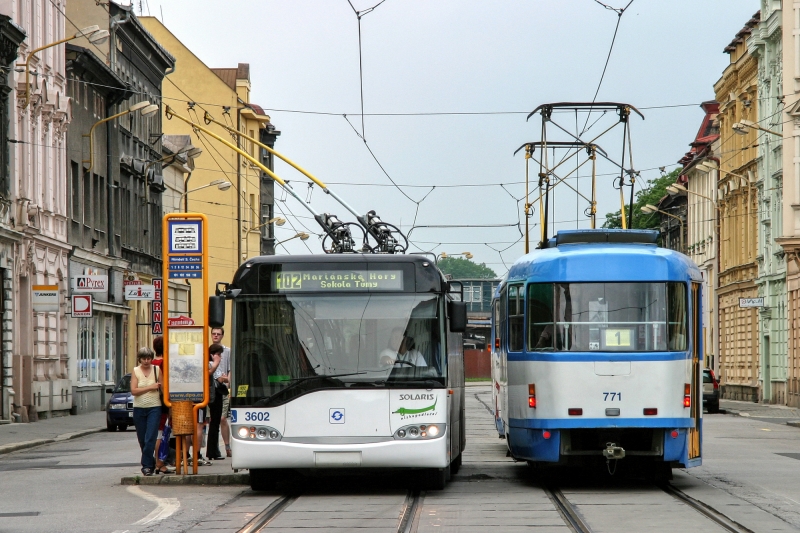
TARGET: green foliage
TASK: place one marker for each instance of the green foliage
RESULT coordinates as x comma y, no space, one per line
461,268
655,190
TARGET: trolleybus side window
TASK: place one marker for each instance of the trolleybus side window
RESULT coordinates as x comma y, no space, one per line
516,318
540,313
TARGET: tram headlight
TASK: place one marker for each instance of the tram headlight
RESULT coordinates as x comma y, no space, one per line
420,432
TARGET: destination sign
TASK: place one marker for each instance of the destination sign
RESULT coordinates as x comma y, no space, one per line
338,280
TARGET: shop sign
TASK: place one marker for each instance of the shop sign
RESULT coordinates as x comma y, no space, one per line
45,298
180,321
751,302
81,306
140,292
156,310
90,283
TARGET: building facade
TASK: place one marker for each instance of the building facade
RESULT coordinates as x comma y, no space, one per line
95,344
11,401
739,347
790,234
238,215
134,221
702,223
765,44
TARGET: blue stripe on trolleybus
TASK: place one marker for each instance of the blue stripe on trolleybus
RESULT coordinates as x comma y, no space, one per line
583,357
570,423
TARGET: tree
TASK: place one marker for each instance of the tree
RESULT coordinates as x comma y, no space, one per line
656,189
461,268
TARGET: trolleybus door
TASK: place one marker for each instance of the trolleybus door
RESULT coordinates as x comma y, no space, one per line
696,399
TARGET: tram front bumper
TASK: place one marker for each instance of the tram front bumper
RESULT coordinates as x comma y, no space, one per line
393,453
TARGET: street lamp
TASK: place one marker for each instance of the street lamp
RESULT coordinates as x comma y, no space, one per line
189,151
278,222
93,33
302,235
445,255
144,107
221,185
650,209
743,128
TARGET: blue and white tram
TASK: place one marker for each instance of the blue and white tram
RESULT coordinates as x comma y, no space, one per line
597,352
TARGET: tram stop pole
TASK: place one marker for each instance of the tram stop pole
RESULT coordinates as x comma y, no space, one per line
185,256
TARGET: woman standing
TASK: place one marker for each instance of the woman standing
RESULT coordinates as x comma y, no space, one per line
145,387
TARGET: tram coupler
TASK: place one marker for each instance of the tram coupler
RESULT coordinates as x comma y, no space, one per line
613,451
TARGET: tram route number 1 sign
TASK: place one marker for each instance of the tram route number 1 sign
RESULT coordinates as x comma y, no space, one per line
751,302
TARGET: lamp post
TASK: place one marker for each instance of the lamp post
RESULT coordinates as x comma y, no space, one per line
649,209
192,151
302,235
93,33
144,107
221,185
278,222
743,128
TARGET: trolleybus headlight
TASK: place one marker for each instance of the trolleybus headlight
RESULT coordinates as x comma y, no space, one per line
243,432
256,432
274,434
420,432
262,433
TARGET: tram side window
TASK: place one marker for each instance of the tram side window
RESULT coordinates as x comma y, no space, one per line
503,333
678,313
516,318
540,316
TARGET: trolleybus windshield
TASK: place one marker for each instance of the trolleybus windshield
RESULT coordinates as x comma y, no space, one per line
608,317
302,342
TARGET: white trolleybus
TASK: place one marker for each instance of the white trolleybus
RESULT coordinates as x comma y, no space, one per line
344,362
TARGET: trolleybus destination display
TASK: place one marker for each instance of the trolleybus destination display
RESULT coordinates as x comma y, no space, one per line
338,280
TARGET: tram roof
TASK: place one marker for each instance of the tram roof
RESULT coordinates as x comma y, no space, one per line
604,255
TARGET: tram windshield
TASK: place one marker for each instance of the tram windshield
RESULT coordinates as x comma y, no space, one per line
287,345
608,317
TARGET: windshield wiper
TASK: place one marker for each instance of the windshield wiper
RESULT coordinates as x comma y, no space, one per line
428,383
297,381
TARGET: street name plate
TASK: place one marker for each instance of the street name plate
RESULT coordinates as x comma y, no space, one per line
751,302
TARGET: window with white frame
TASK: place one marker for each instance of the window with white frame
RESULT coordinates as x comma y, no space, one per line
96,349
473,293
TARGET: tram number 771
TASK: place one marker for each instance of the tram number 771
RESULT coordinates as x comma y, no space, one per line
612,396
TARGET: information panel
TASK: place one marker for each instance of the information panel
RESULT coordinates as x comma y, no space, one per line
187,362
338,280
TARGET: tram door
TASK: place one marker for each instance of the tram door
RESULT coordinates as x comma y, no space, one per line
697,350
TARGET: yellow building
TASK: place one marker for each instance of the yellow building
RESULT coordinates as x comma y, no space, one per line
737,95
235,212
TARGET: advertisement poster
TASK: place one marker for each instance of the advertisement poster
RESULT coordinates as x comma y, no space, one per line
188,364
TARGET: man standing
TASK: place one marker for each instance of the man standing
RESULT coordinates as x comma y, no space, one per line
219,418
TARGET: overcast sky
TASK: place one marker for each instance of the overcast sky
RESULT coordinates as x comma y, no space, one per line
423,56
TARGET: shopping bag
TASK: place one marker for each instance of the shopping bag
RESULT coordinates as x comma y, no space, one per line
163,450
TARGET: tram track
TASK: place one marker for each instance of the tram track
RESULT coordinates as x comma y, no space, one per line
572,517
406,521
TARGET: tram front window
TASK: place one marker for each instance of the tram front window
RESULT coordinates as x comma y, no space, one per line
609,317
305,342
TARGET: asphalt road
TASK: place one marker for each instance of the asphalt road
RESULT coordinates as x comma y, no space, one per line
751,474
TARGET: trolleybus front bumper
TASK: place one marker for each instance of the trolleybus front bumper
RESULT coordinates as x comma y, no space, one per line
389,453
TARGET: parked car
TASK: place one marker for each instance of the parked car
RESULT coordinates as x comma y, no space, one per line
710,391
119,407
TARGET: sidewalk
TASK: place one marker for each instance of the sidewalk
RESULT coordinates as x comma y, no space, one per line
761,410
18,436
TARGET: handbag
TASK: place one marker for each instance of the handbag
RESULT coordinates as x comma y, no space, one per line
221,388
163,450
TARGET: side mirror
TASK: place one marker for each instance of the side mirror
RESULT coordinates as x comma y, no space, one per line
216,311
110,391
458,316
